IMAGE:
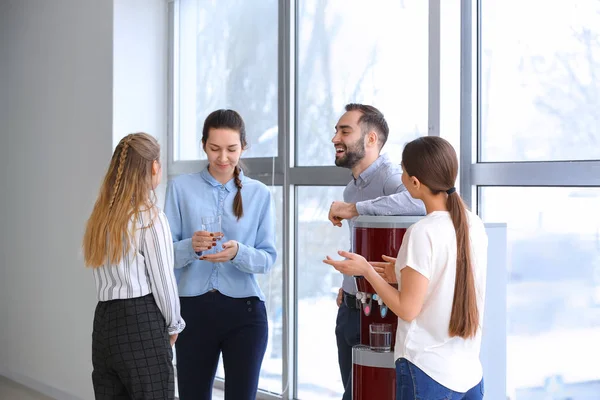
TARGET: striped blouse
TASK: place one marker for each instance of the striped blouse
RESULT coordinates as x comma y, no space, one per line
147,268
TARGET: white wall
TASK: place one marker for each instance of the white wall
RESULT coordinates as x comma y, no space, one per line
56,138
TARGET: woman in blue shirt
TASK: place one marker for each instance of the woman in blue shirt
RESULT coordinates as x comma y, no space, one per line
221,301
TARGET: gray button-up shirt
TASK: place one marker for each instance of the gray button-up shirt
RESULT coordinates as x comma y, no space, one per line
378,191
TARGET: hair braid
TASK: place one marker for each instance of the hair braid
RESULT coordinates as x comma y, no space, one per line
238,208
122,159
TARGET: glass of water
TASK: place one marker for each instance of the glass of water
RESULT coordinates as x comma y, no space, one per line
380,337
212,224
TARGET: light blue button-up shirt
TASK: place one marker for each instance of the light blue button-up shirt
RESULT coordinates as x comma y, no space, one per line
193,196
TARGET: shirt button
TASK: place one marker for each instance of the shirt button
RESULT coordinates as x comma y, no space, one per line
248,302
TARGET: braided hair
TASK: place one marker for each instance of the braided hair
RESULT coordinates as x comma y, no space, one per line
123,196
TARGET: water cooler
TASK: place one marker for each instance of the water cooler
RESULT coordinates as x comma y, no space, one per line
373,371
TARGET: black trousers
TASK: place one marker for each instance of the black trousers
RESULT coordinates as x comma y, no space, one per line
217,324
347,334
131,353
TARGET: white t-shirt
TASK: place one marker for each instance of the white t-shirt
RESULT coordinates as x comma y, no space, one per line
429,247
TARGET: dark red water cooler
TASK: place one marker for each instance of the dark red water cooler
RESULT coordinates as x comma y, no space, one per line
374,376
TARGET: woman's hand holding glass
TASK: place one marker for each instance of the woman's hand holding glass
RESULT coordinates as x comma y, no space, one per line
203,240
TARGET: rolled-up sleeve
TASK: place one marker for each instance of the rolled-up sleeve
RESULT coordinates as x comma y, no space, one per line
397,201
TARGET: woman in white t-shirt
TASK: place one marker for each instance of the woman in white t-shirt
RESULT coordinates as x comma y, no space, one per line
441,271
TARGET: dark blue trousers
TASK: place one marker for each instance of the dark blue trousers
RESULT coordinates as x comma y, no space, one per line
217,324
347,334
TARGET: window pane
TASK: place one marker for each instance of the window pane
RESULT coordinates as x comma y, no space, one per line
366,52
553,291
540,81
226,59
318,284
271,285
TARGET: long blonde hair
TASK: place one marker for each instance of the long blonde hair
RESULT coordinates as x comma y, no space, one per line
123,195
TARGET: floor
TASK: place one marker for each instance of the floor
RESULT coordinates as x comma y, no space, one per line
10,390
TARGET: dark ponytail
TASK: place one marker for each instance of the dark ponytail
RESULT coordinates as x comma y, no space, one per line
432,160
464,320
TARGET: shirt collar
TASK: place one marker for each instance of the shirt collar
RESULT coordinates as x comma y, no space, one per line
230,186
368,173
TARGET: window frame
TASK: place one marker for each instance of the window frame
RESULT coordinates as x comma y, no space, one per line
283,171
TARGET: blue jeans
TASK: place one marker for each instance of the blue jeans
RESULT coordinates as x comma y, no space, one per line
414,384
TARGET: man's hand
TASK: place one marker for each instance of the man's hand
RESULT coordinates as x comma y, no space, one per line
173,338
340,297
340,211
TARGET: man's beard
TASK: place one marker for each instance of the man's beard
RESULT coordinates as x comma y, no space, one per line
352,155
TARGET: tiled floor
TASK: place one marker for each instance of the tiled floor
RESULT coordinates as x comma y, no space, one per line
10,390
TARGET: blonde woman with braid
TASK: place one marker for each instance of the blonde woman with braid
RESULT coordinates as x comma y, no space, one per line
128,244
441,271
220,299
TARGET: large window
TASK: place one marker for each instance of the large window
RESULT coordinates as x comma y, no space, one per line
540,80
272,285
538,141
361,52
512,84
553,292
226,60
317,56
318,284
